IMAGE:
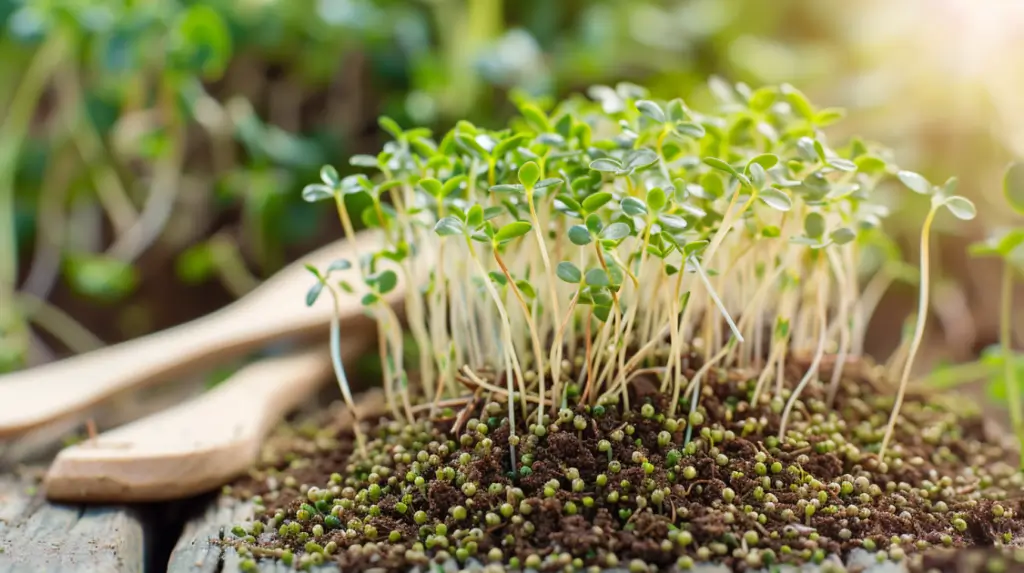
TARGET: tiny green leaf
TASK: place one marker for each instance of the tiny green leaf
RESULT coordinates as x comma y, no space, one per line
506,188
656,199
798,101
526,288
807,148
339,265
842,235
606,164
452,185
512,231
449,225
762,99
720,165
758,176
814,225
568,272
949,187
569,202
536,118
314,293
492,212
870,164
961,207
828,116
363,161
471,145
1013,186
633,206
432,186
391,126
915,182
676,111
819,150
483,234
597,278
651,110
579,235
615,231
694,247
776,199
765,160
549,182
529,174
596,201
355,184
712,184
690,129
1010,241
329,175
1001,245
507,144
475,216
640,158
386,281
672,222
316,192
842,164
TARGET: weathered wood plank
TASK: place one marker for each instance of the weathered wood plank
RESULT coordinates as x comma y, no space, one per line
36,535
198,551
39,536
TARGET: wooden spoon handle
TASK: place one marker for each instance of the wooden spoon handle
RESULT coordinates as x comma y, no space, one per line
200,444
31,398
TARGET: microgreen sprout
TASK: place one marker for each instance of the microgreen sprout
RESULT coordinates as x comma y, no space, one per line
961,208
594,241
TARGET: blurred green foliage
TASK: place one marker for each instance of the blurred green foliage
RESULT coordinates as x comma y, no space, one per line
151,153
142,136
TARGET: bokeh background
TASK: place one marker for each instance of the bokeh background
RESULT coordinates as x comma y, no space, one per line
152,153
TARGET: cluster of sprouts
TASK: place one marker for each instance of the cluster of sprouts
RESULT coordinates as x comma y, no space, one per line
613,235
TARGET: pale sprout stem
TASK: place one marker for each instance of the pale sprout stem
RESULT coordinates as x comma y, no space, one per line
1009,366
538,353
812,371
509,351
866,305
698,377
552,287
844,325
339,373
718,302
915,341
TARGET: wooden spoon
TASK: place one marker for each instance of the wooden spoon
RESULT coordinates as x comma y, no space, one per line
276,309
201,444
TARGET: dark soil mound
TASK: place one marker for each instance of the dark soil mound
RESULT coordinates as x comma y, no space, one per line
605,487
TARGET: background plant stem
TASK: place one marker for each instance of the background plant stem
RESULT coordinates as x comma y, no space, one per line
1009,365
19,116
